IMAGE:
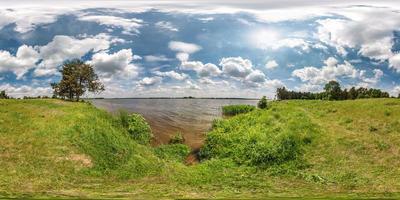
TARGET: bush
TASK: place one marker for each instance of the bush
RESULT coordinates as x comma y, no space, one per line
177,139
263,104
176,152
237,109
139,129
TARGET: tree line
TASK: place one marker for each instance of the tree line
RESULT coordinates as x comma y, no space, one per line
333,91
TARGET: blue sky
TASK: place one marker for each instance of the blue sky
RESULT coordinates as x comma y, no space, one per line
199,48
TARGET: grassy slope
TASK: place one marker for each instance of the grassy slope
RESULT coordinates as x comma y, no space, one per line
49,142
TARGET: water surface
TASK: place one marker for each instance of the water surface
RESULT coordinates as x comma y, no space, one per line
191,117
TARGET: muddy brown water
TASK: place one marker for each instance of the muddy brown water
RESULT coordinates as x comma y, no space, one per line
191,117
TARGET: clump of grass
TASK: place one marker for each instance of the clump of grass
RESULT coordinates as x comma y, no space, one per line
232,110
387,113
123,118
139,129
177,139
259,139
172,152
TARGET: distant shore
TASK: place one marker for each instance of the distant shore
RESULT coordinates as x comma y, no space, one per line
177,98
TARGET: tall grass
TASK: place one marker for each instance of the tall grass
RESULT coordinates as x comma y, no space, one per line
232,110
263,138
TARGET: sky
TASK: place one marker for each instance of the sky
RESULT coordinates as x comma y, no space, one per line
201,48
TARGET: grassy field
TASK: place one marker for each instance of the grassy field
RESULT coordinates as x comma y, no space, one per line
349,149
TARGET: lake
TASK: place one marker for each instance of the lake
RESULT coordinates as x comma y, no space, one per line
191,117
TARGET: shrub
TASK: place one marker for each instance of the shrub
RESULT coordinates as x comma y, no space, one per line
176,152
263,104
237,109
177,139
139,129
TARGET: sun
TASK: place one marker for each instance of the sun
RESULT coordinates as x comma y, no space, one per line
264,38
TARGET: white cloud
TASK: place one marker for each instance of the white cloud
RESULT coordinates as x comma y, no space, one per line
150,81
271,64
166,26
184,47
25,59
156,58
394,62
26,90
369,29
236,66
273,84
308,87
396,91
202,70
255,76
65,48
331,71
182,56
172,74
27,19
378,74
118,63
129,26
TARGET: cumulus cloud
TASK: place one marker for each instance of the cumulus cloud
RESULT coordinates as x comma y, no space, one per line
256,76
394,62
118,63
368,29
172,74
19,91
372,80
25,59
271,64
242,69
150,81
273,84
130,26
63,48
236,66
331,71
202,70
166,26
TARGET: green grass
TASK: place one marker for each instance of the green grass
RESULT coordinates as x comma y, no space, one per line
232,110
51,148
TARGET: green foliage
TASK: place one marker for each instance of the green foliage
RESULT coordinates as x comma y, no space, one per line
260,139
77,78
332,92
3,95
123,118
139,129
263,104
172,152
232,110
177,139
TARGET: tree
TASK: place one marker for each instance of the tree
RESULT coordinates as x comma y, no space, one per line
3,95
262,104
77,78
398,96
332,90
352,93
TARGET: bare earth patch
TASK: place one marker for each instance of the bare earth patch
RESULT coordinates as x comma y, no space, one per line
81,159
